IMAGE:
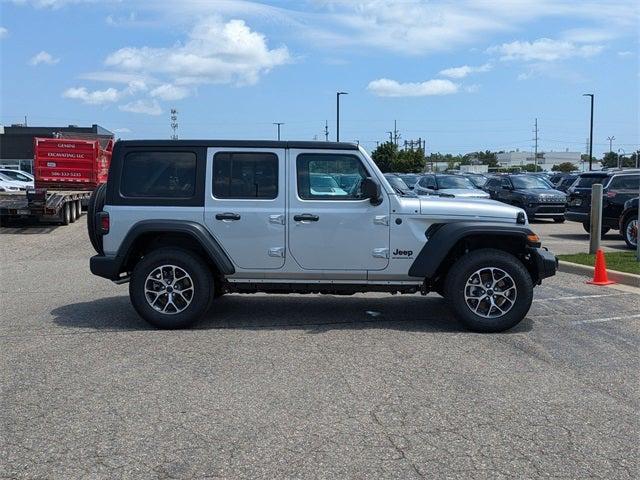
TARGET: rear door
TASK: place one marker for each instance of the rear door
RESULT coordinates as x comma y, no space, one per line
620,189
245,205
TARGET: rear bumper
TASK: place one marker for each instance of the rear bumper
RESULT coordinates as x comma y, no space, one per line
105,266
545,262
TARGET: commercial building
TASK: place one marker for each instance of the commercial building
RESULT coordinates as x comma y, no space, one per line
16,141
546,160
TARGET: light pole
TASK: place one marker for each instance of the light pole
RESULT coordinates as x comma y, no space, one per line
590,132
278,125
620,156
338,114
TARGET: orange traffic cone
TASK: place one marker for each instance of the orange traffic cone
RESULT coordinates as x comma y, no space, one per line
600,271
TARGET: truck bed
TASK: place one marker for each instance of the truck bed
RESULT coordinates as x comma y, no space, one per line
17,204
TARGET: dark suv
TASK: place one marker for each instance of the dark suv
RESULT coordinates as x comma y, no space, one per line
629,223
618,187
529,192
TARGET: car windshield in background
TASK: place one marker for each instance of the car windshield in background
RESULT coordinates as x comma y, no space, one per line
397,183
410,179
454,181
529,182
478,180
13,175
587,181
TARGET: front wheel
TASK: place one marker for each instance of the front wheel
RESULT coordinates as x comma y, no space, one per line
489,290
171,288
630,231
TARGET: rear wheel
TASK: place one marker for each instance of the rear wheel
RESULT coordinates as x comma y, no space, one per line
489,290
96,204
65,214
73,209
630,231
171,288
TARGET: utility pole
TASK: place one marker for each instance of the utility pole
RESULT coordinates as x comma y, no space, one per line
338,114
326,131
396,135
174,124
590,131
535,153
278,124
611,139
390,137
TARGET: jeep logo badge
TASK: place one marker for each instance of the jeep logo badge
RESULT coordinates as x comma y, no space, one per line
402,253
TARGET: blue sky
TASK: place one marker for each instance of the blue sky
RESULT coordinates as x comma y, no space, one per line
465,75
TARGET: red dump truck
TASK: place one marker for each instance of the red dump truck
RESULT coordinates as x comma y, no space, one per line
66,171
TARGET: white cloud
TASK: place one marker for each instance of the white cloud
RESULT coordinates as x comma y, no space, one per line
169,92
463,71
543,50
43,57
215,52
385,87
147,107
625,53
3,32
472,88
96,97
117,77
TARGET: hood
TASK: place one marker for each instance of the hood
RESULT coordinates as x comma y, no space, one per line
452,208
465,192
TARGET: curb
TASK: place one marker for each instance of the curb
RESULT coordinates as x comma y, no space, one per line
618,277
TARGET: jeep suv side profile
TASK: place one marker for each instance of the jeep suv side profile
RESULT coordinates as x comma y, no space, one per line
185,222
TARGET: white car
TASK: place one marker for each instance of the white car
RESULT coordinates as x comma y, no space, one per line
8,186
22,178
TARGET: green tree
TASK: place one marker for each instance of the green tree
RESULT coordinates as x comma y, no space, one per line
409,161
611,159
564,167
385,155
531,167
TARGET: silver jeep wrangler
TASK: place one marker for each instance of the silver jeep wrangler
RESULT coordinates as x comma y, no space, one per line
185,222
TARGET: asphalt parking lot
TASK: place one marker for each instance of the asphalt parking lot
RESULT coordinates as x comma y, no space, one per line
570,237
368,386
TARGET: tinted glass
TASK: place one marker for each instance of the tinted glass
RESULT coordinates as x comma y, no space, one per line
410,179
319,176
586,181
625,182
397,183
159,174
245,175
478,180
530,182
14,175
454,181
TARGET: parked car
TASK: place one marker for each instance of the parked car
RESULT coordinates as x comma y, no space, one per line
325,185
529,192
629,222
448,185
398,184
476,178
11,185
24,178
618,187
565,182
410,179
272,231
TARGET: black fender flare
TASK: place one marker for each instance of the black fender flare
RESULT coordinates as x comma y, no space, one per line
445,236
195,230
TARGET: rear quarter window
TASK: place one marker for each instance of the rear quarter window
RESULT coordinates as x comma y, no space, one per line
156,174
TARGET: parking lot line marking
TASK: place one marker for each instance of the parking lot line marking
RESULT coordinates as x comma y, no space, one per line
578,297
601,320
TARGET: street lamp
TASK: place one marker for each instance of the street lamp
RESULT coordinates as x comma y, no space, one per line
338,114
278,125
590,132
620,156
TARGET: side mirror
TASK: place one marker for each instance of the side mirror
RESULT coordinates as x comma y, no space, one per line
371,190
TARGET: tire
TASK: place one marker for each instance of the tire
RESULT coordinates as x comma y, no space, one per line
559,220
629,227
587,228
186,310
96,204
73,209
489,319
79,207
65,214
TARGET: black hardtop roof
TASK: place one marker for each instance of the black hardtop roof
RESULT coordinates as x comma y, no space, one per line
315,145
612,171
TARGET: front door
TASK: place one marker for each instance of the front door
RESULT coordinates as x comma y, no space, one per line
245,205
331,227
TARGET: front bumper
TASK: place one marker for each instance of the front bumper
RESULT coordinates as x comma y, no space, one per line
106,266
546,263
546,210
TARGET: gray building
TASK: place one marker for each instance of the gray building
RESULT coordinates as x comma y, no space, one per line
546,160
16,141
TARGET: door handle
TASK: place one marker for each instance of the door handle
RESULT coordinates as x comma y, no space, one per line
227,216
306,217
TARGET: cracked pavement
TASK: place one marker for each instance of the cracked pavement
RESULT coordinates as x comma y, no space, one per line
367,386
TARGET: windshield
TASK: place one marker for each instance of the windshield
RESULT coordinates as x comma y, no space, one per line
454,182
587,181
397,183
478,180
410,179
13,175
529,182
323,181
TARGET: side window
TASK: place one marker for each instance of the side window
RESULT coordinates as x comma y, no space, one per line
245,175
320,176
506,182
625,182
149,174
430,182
